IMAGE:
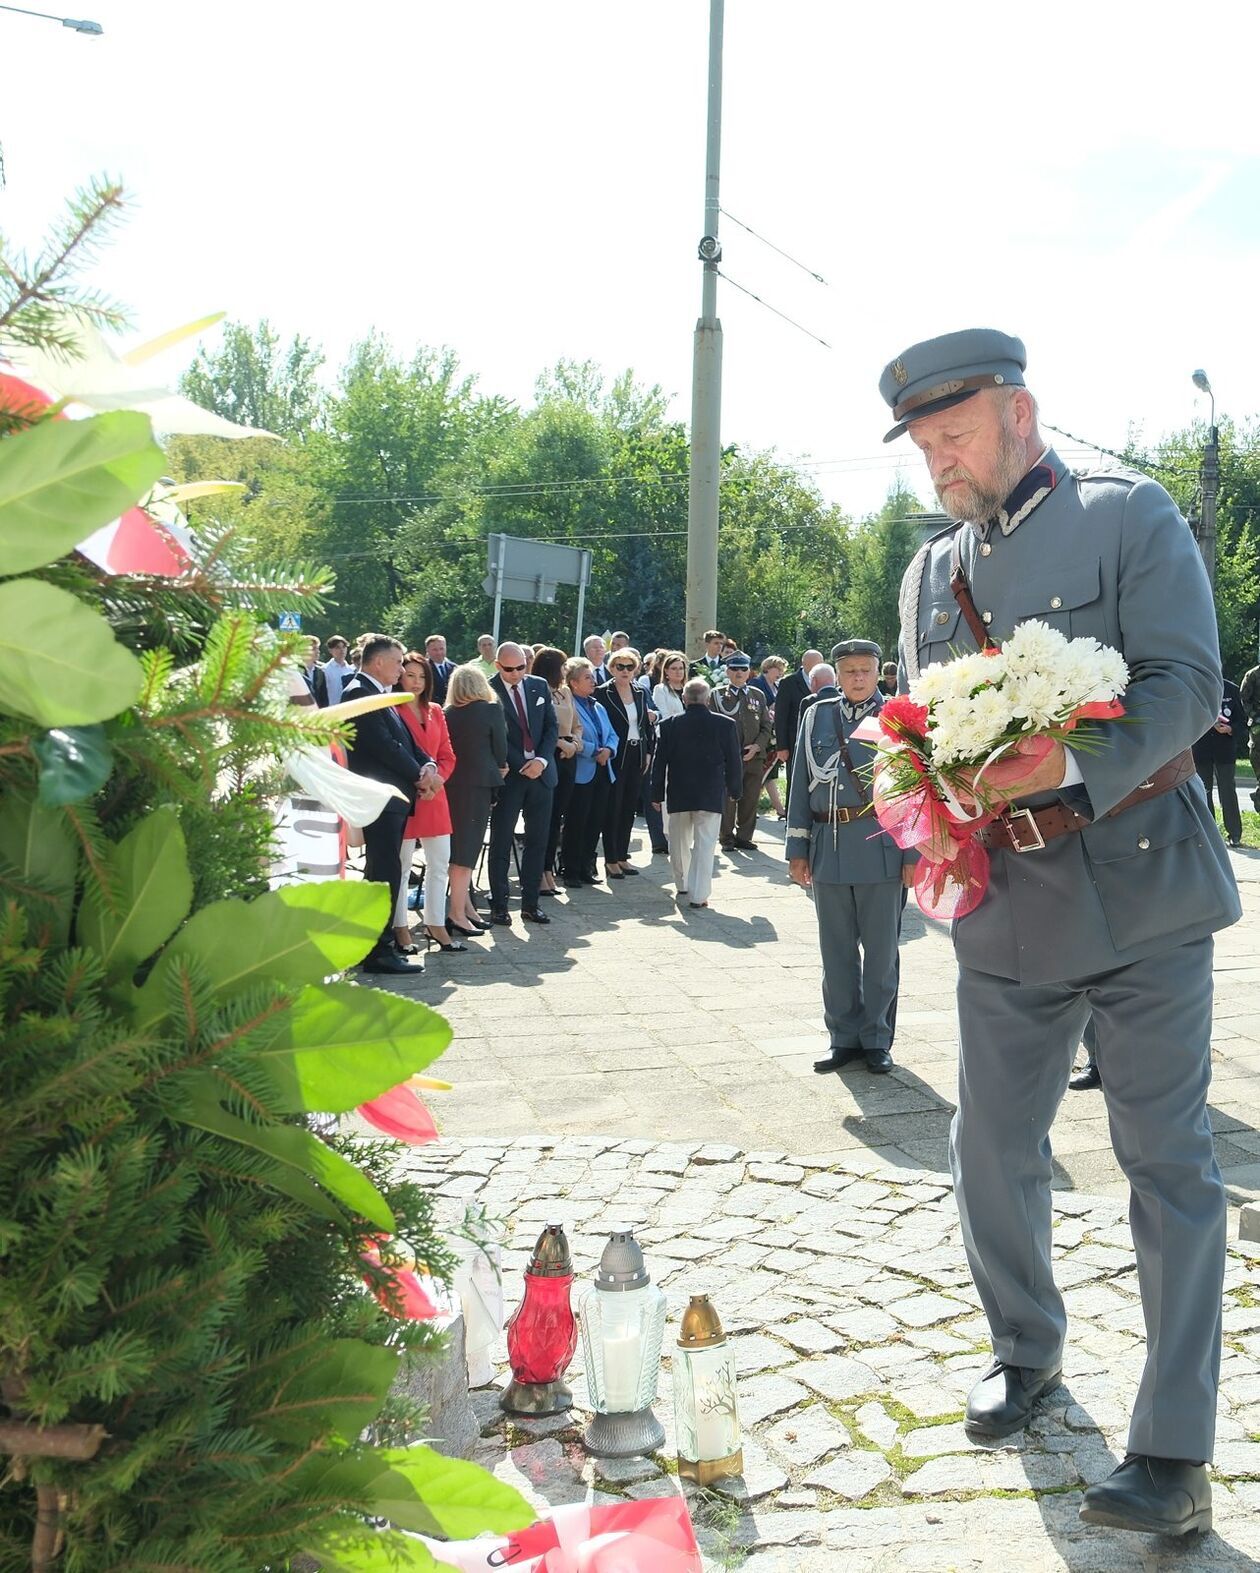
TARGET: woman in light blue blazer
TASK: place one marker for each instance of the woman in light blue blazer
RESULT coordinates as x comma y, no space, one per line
592,781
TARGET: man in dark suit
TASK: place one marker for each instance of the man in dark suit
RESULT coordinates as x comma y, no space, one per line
435,650
787,704
383,750
1216,755
822,685
528,785
313,673
698,770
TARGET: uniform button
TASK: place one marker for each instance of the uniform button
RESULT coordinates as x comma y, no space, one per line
986,548
986,617
1056,601
942,618
1144,843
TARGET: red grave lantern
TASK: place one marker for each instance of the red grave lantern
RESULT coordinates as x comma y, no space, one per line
542,1332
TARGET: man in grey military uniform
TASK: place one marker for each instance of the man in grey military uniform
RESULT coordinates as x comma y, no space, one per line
834,845
1108,880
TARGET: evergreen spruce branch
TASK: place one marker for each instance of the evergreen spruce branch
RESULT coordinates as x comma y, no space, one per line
91,840
215,1046
30,316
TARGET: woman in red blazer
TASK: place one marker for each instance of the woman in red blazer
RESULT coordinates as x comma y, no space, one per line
430,824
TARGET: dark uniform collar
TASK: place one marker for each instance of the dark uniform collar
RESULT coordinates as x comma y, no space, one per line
1031,491
855,713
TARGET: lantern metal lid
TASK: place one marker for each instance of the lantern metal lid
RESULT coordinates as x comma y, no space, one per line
551,1258
621,1267
701,1326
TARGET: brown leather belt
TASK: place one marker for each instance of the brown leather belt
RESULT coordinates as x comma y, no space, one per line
1028,829
842,816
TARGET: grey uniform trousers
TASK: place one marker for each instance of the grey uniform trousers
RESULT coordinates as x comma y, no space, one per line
1016,1047
858,930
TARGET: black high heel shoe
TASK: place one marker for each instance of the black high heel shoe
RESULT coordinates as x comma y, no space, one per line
463,931
431,942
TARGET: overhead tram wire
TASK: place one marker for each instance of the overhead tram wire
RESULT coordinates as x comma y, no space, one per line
800,327
787,255
524,490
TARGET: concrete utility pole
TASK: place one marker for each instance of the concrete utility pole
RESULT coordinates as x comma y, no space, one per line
706,384
1210,478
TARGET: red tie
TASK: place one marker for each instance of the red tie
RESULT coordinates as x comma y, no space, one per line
527,737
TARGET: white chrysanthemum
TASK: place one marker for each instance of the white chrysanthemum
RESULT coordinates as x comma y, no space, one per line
1035,644
932,684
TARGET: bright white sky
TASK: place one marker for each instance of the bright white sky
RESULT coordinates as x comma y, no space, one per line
525,182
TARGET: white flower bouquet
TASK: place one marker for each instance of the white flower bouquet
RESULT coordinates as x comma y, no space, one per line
974,728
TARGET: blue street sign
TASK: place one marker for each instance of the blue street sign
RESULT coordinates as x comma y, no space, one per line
290,622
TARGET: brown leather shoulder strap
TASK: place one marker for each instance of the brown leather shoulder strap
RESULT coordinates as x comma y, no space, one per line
961,592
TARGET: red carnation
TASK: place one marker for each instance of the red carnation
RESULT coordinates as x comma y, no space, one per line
901,717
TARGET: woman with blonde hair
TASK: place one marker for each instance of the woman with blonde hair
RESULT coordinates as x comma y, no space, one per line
474,721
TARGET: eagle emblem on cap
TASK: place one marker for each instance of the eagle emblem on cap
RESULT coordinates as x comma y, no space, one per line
898,369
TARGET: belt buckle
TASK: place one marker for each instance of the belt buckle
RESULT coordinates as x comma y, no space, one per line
1026,814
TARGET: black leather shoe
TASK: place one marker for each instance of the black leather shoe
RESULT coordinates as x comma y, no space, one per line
836,1059
1154,1496
1002,1400
1087,1080
533,915
382,961
502,919
744,846
878,1061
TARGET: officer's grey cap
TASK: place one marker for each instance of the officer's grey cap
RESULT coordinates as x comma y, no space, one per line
943,372
856,647
738,658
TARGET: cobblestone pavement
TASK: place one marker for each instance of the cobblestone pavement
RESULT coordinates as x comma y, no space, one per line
634,1063
630,1017
841,1279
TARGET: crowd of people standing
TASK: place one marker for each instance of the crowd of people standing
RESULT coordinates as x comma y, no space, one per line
554,756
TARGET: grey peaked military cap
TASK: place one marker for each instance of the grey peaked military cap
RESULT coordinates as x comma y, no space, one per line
855,647
943,372
738,658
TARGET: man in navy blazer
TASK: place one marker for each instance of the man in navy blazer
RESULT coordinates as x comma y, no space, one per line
698,770
435,653
383,750
528,785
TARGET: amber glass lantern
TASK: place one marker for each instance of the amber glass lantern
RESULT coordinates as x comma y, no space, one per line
542,1332
706,1418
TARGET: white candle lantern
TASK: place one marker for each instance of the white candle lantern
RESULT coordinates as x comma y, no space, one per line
706,1417
623,1326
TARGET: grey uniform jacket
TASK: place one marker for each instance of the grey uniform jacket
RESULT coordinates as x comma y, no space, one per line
1107,555
857,853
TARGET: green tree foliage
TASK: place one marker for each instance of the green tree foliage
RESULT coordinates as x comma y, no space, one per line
1175,463
254,380
189,1354
878,554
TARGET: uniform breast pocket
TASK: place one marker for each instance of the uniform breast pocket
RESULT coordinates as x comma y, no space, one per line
1063,597
939,633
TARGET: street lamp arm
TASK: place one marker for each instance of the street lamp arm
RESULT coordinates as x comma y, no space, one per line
93,29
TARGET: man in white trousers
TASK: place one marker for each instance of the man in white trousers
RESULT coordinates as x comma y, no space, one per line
698,769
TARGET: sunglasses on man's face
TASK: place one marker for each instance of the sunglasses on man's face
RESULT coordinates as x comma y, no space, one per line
519,668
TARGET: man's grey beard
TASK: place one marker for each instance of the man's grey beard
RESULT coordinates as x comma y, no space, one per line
971,501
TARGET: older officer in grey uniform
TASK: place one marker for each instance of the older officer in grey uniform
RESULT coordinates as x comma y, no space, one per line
858,875
1108,881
